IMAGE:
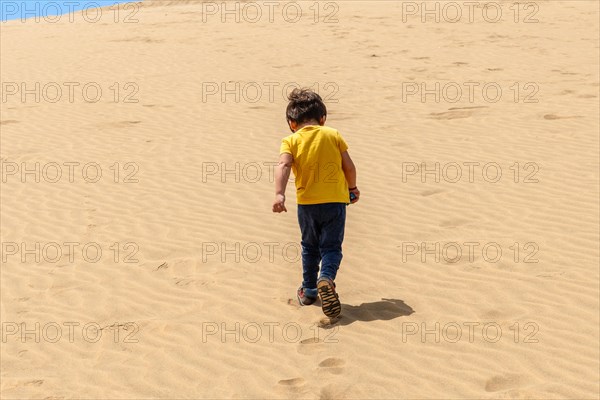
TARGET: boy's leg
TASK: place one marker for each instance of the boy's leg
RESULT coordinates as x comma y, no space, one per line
310,248
333,221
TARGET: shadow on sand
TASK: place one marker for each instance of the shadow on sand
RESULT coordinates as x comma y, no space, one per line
383,310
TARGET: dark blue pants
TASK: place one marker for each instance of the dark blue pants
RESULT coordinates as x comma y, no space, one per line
322,228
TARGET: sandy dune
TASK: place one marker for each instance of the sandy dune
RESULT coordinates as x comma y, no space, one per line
198,317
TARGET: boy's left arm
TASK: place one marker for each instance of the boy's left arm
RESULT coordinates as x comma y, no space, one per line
282,174
350,174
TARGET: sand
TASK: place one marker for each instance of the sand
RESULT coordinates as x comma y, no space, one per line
198,276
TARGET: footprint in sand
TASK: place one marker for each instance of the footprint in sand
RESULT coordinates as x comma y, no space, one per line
503,382
142,39
292,302
333,365
311,346
431,192
328,323
453,223
154,105
294,385
493,315
553,116
466,108
292,382
9,121
118,124
183,281
564,72
164,265
330,392
451,115
332,362
550,275
310,341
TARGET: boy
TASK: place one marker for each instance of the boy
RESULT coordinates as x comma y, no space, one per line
325,184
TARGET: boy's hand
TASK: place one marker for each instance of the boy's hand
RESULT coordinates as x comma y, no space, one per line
279,203
356,192
282,174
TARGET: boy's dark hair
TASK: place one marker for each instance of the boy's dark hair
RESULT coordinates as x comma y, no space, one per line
305,105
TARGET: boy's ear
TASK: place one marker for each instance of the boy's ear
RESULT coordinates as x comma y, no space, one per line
293,125
322,120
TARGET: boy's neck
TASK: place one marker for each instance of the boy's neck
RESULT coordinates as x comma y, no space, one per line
307,123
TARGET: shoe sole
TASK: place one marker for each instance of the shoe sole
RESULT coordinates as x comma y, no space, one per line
329,299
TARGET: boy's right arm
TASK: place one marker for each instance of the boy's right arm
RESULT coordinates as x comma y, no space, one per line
282,174
350,173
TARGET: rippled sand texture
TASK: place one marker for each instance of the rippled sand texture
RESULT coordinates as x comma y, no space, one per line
171,308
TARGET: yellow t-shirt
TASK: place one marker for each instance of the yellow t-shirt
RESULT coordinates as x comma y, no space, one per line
317,152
